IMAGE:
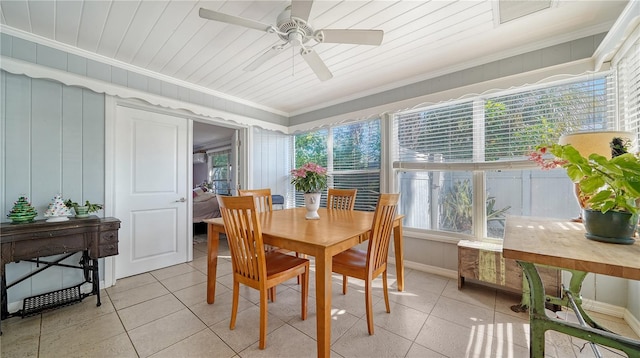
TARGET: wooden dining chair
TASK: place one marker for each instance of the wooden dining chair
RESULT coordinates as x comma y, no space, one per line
343,199
264,203
367,265
263,199
252,265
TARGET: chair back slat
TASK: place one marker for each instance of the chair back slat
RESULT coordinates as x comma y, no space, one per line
342,199
263,199
381,230
244,236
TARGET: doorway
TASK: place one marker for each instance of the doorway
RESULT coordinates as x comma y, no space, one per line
177,246
214,171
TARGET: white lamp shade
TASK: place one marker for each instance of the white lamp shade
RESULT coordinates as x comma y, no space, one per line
587,143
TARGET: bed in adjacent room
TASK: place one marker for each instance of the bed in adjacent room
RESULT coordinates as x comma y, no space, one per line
205,205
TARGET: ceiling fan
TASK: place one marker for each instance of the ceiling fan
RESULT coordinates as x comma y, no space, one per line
293,28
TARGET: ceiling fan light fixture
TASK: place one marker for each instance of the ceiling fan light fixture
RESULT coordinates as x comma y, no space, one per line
296,38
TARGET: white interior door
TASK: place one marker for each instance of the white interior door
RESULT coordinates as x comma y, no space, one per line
151,159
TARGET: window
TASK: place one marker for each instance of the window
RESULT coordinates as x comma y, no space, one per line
351,154
434,134
219,172
629,88
449,156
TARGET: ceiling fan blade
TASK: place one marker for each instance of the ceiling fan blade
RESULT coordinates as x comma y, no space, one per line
301,9
315,62
271,53
234,20
348,36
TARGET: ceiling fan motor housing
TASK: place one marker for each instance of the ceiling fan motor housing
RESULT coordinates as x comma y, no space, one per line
293,30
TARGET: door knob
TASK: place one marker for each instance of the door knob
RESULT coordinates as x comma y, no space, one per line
181,200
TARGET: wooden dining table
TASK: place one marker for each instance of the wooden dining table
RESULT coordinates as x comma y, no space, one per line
335,232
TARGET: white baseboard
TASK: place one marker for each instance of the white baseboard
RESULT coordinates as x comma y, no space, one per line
14,306
604,308
453,274
632,321
613,311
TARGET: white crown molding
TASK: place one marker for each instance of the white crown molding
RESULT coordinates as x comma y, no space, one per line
19,67
625,28
533,46
110,61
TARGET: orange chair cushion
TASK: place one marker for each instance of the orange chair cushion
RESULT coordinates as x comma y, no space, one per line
278,262
350,259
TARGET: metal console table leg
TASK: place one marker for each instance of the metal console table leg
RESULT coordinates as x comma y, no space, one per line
540,323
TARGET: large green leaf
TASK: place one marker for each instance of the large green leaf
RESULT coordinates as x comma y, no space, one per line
590,185
605,165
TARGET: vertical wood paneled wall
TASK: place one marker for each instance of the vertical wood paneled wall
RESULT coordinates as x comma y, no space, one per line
271,161
52,143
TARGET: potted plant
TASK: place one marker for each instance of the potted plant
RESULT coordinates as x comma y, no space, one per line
310,179
608,188
82,211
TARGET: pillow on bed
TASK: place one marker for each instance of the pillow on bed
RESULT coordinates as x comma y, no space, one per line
197,191
204,197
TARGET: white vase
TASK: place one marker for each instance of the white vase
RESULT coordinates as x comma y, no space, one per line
312,203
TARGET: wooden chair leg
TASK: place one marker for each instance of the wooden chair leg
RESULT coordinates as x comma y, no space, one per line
304,257
271,294
234,305
305,292
263,320
344,284
367,299
386,291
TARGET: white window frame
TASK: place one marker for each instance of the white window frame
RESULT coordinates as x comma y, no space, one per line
478,167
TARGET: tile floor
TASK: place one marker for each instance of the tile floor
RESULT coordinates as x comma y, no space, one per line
164,314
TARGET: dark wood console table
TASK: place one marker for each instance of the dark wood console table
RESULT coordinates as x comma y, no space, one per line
93,236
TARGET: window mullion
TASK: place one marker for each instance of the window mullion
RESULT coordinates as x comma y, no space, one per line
479,206
330,156
478,130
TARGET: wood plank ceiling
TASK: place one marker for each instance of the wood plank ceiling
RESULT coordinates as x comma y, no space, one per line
422,39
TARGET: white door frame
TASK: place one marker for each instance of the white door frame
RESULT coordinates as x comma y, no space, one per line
110,149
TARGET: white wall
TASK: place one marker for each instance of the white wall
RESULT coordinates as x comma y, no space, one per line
270,161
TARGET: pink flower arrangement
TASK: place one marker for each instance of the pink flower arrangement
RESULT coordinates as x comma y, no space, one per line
538,156
309,178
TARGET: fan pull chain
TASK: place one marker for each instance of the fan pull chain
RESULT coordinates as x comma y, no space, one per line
293,61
